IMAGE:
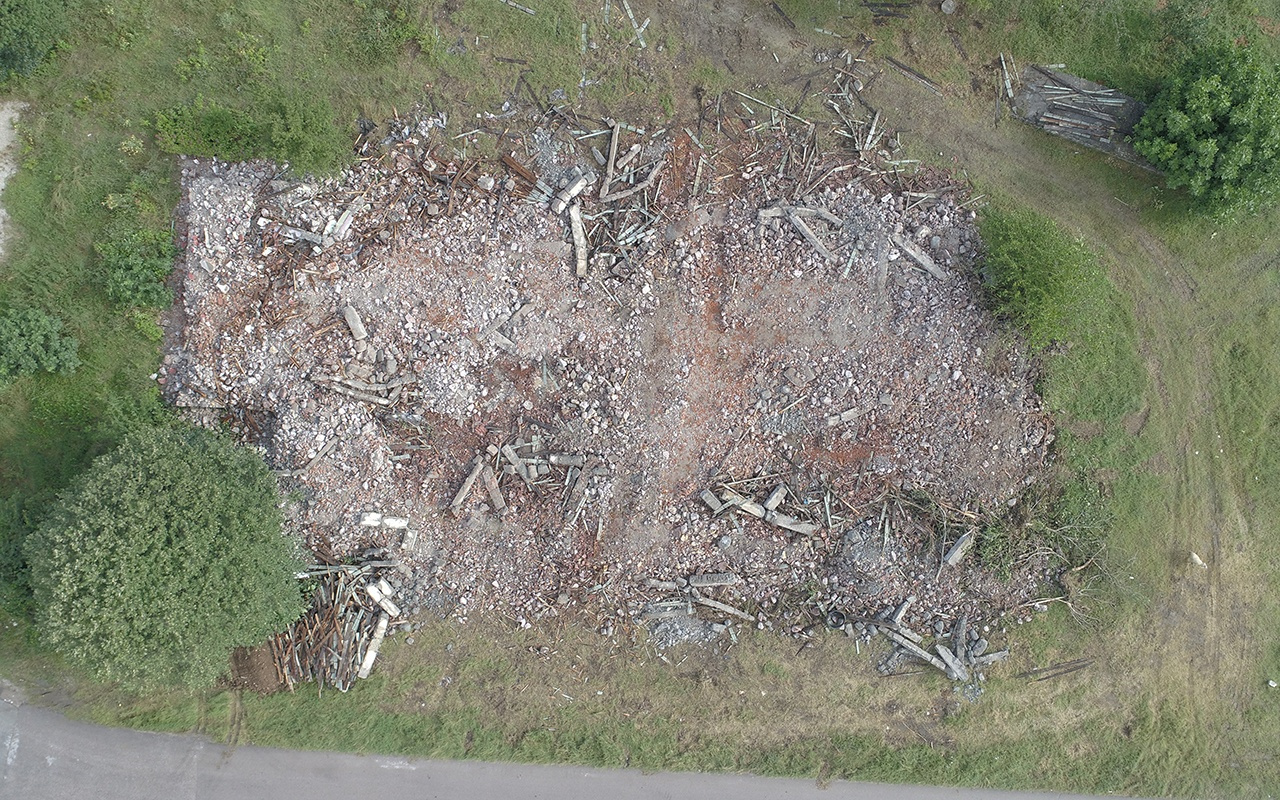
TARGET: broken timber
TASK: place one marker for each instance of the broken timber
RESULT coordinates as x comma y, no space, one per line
919,256
793,215
580,247
748,506
728,609
461,496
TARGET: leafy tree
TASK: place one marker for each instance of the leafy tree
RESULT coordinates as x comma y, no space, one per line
32,341
29,29
1215,129
162,558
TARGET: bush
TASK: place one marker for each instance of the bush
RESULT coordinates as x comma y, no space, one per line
205,128
29,29
380,30
32,341
136,262
284,127
302,132
1215,129
162,558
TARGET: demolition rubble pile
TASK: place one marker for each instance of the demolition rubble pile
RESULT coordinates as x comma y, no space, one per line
620,373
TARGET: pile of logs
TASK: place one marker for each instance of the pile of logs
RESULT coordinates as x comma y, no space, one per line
337,640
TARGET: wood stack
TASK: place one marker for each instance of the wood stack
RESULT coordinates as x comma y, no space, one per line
1084,112
337,640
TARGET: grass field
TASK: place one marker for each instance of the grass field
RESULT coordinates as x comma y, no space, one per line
1176,700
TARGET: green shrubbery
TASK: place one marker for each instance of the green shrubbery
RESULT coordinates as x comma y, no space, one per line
136,262
1053,288
380,30
29,29
163,557
1215,129
32,341
1057,293
285,127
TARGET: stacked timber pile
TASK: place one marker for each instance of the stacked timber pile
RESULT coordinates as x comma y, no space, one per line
338,638
1085,112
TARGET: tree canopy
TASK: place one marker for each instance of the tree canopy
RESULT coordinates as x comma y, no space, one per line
1214,128
162,558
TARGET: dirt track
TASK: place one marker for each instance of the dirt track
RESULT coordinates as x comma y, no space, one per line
9,112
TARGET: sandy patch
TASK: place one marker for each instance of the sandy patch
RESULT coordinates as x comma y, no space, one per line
9,112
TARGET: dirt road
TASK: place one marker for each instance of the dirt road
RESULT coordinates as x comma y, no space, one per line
49,756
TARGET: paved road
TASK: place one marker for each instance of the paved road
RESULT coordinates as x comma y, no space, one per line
48,757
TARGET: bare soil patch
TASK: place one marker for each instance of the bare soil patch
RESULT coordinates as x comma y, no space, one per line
253,668
9,112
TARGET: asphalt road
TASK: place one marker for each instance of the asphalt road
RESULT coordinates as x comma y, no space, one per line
49,757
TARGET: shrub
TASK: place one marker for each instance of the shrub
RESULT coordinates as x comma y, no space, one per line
284,127
162,558
206,128
380,30
136,262
32,341
302,132
29,29
1214,128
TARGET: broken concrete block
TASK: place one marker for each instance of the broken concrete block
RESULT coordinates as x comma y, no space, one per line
354,322
958,550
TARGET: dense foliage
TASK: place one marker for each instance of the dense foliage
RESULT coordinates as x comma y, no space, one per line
284,127
162,558
33,341
1215,129
29,29
136,262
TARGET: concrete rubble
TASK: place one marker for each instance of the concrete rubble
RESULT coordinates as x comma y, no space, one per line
709,366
